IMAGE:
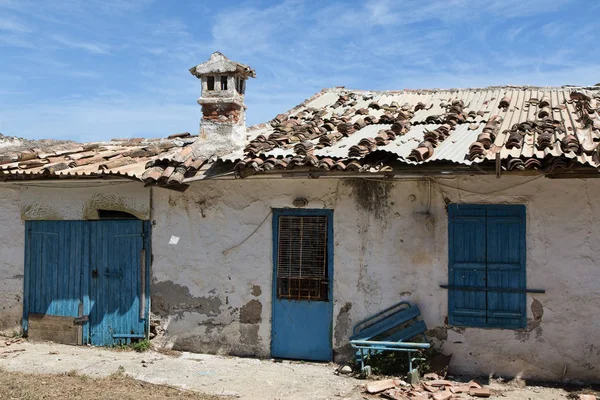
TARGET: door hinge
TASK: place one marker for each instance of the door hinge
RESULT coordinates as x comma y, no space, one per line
81,320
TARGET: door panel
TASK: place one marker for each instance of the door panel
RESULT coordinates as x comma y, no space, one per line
302,285
115,285
53,269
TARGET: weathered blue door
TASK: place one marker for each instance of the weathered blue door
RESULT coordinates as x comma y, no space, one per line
302,284
92,270
117,309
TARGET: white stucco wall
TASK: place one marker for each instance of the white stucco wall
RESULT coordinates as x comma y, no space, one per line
51,201
11,262
390,244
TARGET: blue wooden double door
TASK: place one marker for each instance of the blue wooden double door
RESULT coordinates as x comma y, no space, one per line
92,271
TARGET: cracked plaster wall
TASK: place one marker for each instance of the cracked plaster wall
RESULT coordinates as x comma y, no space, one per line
390,245
11,262
221,303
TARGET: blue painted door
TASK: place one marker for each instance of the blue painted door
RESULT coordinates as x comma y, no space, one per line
302,284
487,273
118,260
96,269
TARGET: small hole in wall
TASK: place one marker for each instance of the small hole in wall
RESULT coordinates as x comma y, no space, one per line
223,83
210,83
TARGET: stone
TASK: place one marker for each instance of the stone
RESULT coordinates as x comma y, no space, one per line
587,397
346,370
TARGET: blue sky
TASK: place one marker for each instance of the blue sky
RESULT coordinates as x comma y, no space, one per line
100,69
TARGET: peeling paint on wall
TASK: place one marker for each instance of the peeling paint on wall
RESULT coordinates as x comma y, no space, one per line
169,298
251,312
256,290
342,326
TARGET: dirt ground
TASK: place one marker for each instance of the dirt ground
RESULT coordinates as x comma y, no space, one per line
17,385
88,372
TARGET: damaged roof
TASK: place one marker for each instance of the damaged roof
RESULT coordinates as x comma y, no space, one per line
538,128
129,158
543,129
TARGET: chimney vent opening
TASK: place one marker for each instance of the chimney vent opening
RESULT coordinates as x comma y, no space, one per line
210,83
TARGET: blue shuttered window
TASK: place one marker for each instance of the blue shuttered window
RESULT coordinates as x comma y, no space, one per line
487,277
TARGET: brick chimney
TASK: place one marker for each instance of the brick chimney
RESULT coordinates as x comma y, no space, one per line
223,123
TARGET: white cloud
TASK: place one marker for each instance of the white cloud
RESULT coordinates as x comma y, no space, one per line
13,25
91,47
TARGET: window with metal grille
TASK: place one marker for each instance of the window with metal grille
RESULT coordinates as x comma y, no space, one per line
302,258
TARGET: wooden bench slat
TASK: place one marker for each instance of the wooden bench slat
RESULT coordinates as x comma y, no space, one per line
387,323
417,328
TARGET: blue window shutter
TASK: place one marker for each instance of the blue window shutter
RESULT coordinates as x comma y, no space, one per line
467,246
506,255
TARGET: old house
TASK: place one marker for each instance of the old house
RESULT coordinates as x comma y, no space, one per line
476,204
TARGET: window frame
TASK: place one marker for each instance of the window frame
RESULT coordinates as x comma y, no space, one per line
279,212
517,209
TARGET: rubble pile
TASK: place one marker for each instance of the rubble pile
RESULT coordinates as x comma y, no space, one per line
429,388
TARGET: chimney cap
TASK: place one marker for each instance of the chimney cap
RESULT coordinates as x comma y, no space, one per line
219,64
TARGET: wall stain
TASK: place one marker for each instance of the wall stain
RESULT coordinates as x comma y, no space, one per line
256,290
440,333
533,324
249,334
169,298
342,324
371,196
421,257
251,312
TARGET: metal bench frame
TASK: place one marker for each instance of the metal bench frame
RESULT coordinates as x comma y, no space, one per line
380,325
